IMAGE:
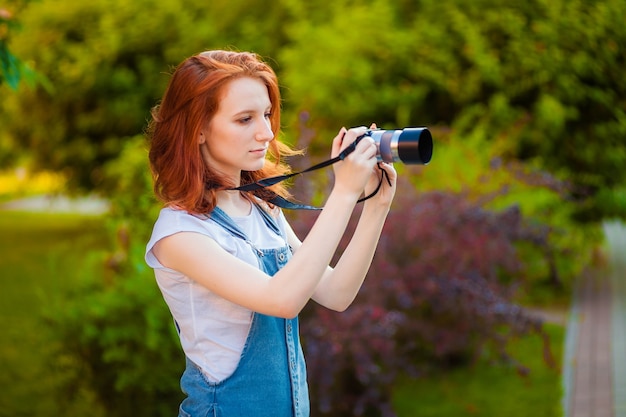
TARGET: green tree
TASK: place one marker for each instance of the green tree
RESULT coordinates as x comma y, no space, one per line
11,69
542,79
108,66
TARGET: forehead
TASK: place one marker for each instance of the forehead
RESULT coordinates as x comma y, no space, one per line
244,93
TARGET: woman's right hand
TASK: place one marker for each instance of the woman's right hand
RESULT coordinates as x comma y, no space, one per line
352,173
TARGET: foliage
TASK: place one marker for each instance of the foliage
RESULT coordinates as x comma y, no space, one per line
116,340
486,390
418,311
112,334
11,69
439,294
42,255
455,257
134,206
474,166
107,70
494,80
541,79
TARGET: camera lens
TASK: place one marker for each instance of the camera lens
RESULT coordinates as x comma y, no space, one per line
412,145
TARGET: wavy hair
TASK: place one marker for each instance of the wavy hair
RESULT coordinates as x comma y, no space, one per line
181,177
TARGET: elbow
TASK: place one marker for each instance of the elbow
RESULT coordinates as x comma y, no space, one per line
287,313
339,306
335,302
287,309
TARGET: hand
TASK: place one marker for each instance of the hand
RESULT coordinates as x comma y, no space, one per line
353,173
386,193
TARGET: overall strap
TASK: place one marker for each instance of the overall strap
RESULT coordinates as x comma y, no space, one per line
220,217
269,220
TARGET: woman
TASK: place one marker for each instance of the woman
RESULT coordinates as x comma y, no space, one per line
231,269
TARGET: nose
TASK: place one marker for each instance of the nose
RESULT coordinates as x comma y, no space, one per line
265,132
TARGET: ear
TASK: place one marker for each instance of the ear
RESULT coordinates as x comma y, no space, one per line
201,138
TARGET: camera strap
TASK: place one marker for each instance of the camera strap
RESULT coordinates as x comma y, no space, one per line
286,204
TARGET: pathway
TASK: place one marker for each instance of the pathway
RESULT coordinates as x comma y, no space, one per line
58,204
595,354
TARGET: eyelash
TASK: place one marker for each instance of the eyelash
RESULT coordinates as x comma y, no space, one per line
248,118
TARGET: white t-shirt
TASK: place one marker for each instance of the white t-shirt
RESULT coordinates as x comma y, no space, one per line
212,330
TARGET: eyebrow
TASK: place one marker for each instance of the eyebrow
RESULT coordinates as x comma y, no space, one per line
249,111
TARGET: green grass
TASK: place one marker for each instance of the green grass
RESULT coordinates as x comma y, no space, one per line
41,255
489,391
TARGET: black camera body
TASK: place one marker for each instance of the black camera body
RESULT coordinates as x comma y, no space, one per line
411,145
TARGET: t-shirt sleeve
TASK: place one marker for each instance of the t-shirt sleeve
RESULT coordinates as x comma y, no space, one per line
171,222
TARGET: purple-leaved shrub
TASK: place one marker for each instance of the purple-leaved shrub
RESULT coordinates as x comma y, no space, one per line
439,293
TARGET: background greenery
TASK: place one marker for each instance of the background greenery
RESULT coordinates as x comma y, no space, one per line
526,103
42,256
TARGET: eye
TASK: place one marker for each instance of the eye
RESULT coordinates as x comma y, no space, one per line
245,120
268,115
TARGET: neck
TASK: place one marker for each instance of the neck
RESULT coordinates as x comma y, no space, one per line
234,203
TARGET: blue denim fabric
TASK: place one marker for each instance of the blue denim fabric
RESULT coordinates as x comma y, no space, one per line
270,379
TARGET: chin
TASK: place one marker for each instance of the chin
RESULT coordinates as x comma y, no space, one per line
256,166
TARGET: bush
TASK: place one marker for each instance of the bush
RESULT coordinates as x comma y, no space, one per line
439,293
115,334
116,340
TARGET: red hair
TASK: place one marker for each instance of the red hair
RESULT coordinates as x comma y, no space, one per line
181,177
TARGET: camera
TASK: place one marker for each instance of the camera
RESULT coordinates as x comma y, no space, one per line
411,145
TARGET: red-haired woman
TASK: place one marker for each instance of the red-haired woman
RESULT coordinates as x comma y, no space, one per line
231,269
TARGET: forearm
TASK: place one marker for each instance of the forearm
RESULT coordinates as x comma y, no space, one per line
340,285
204,260
298,280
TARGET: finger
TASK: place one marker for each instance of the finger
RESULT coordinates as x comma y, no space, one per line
337,142
391,171
367,146
389,168
351,135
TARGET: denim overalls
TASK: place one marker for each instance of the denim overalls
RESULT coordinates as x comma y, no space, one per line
270,379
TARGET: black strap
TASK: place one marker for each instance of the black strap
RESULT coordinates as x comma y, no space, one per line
290,205
380,183
267,182
286,204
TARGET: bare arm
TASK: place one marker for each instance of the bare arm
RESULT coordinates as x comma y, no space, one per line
340,285
286,293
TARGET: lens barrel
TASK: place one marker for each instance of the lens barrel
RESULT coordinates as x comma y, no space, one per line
411,145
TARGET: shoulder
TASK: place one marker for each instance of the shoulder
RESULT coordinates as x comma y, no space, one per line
172,221
172,225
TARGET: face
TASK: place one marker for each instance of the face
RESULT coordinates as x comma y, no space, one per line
239,134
